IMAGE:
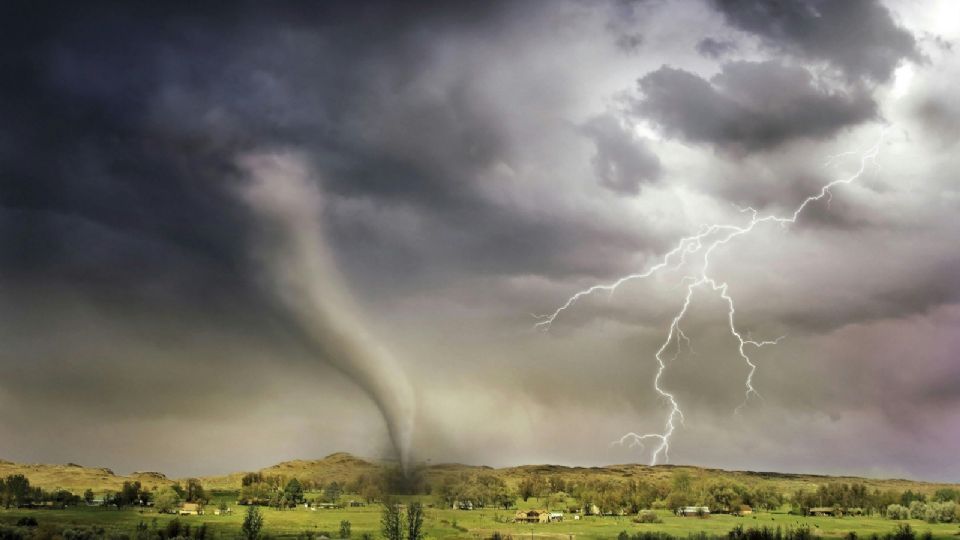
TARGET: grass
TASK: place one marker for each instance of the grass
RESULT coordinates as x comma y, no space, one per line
448,523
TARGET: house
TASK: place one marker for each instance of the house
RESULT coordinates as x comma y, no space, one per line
824,511
744,510
693,511
463,505
555,517
592,510
532,516
191,509
356,504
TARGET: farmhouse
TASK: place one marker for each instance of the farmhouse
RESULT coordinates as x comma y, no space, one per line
744,510
693,511
555,517
191,509
824,511
532,516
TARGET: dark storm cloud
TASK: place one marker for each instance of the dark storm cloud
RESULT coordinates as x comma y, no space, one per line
122,126
130,121
859,37
466,165
715,48
622,161
749,106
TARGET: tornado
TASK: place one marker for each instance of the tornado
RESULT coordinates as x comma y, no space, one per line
299,269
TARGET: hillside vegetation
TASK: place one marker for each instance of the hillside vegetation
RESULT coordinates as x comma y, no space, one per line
77,478
345,468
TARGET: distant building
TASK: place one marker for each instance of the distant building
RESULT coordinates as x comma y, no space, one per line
532,516
834,511
555,517
693,511
744,510
191,509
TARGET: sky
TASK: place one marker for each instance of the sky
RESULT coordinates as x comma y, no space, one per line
238,233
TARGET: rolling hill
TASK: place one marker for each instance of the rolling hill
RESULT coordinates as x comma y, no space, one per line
344,468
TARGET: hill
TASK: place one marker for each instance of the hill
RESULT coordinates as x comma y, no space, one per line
345,468
77,478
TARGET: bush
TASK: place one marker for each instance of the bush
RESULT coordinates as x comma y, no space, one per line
10,533
252,523
895,511
918,510
904,532
941,512
28,521
648,516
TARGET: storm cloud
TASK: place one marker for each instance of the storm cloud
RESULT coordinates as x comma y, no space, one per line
475,165
749,106
859,37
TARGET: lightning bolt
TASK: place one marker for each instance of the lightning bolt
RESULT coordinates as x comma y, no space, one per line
704,243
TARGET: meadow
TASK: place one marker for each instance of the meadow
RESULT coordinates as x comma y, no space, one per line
449,523
563,488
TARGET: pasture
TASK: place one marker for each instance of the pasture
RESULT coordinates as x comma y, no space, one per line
465,524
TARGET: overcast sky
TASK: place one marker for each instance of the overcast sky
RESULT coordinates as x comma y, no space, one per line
166,174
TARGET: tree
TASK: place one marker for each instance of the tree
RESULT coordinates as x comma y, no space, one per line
294,491
166,500
946,494
194,491
527,487
252,523
415,521
251,478
129,494
332,492
391,521
344,529
88,496
16,490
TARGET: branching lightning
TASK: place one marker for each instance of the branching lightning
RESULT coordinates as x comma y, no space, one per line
703,244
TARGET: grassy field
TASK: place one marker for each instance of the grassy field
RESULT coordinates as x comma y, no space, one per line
447,523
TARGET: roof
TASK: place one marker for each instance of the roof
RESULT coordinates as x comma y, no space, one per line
190,506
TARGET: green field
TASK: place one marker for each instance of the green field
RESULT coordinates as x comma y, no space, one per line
448,523
443,522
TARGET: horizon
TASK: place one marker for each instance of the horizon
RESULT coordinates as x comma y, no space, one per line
719,232
428,463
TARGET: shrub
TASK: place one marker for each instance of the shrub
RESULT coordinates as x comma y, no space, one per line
648,516
895,511
904,532
918,510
